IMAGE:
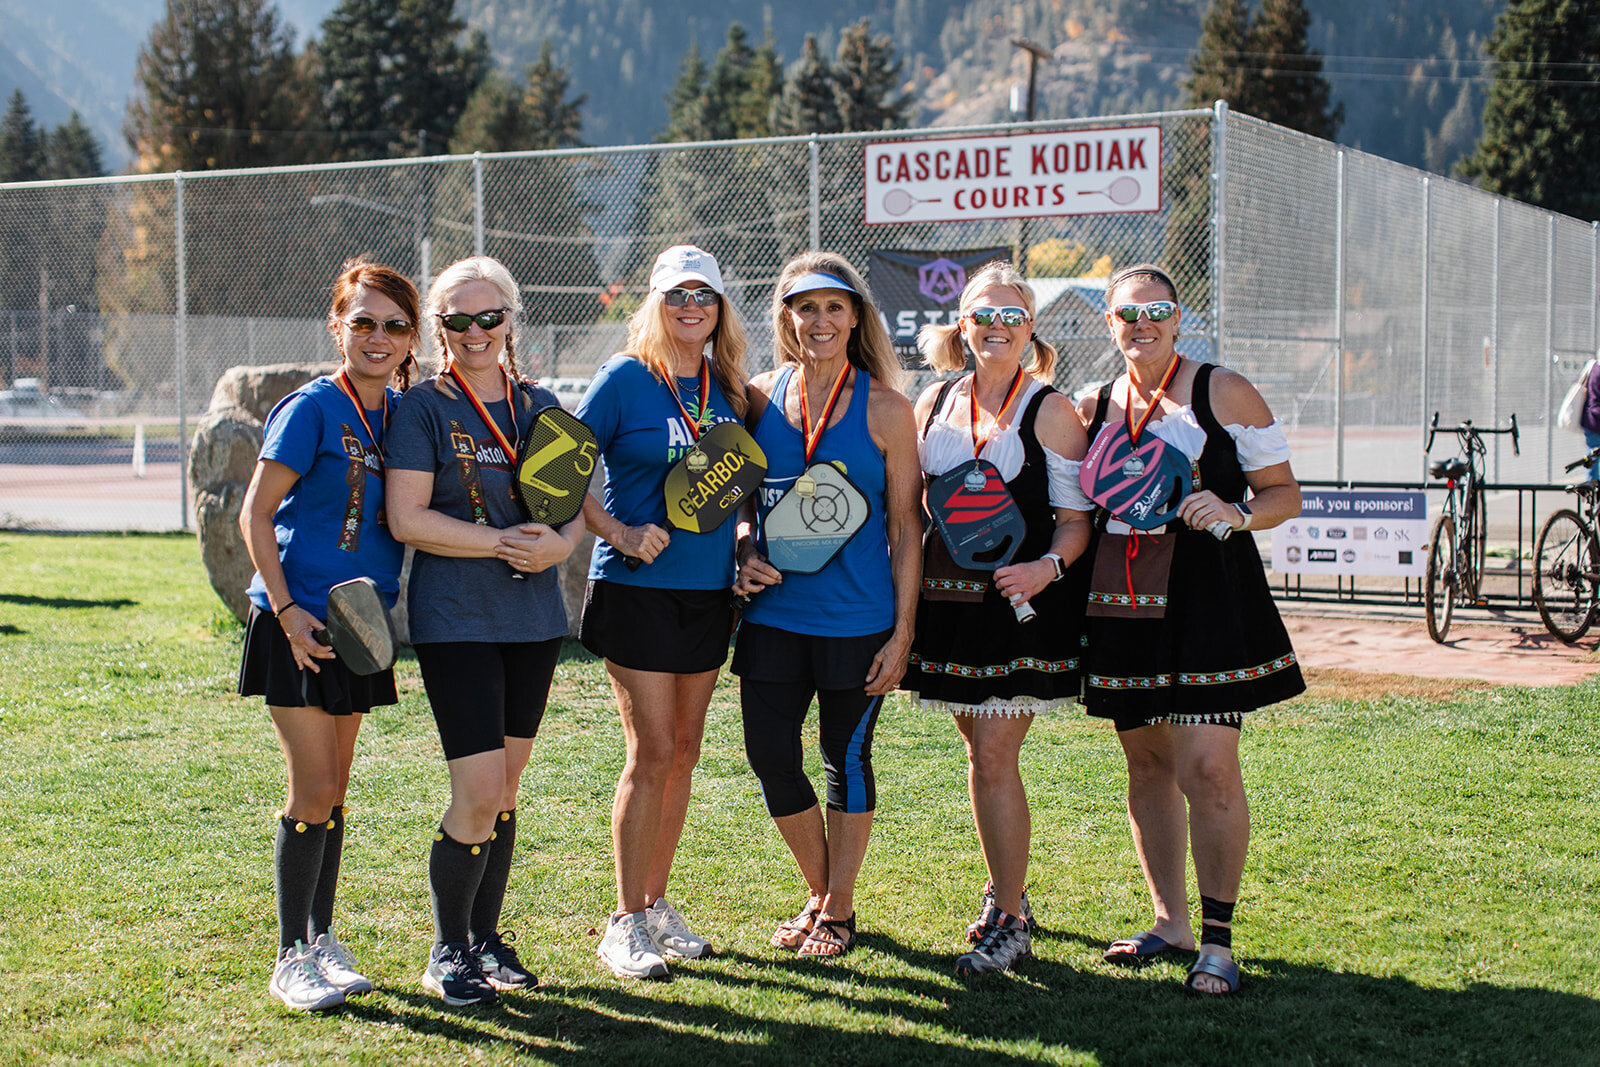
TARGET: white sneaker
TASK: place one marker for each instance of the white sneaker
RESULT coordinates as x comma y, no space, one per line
671,935
338,965
1005,940
298,981
628,949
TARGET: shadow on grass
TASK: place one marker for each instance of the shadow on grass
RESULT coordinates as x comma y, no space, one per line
743,1012
7,630
64,602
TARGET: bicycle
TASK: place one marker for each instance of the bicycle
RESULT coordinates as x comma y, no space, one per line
1458,541
1566,554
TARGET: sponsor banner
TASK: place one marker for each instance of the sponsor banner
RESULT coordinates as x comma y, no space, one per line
916,288
1355,531
1067,172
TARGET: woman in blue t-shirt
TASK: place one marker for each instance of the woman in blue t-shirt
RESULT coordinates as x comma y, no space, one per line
313,516
843,634
658,609
487,635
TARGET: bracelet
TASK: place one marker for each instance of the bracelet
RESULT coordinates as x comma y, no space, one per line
279,613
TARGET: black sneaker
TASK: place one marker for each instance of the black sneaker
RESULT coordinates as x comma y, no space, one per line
499,964
454,975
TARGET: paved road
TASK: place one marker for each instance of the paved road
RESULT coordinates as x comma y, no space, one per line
85,451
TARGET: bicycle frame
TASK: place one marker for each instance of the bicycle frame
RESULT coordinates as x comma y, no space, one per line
1460,535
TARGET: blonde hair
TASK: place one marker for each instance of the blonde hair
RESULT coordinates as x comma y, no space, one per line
869,347
941,343
474,269
650,342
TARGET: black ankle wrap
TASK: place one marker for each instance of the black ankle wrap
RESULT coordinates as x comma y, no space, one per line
1213,913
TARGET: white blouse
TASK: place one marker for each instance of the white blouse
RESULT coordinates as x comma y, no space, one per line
944,446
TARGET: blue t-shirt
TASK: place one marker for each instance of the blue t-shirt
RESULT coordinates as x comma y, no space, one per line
454,599
854,594
641,434
330,527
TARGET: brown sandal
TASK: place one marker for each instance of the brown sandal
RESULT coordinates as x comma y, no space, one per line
830,938
792,933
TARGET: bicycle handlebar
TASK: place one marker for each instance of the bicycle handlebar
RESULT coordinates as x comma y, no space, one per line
1593,455
1466,430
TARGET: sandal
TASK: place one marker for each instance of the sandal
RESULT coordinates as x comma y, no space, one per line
1214,965
830,938
792,933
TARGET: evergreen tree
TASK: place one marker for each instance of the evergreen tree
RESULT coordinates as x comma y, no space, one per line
21,154
752,109
71,150
1292,90
1217,67
216,86
866,76
807,103
1541,126
686,104
556,120
396,75
727,87
494,120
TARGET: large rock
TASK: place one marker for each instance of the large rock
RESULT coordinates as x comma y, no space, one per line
258,389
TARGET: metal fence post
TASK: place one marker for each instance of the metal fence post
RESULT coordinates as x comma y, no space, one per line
1494,345
1422,320
1338,320
1219,175
477,203
181,344
1549,349
815,149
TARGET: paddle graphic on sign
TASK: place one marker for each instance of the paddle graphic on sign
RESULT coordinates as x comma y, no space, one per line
978,519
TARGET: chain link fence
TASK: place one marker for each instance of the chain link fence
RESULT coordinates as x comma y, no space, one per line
1360,295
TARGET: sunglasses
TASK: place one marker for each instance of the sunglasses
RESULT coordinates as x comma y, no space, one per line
461,322
1008,316
1155,311
361,325
677,298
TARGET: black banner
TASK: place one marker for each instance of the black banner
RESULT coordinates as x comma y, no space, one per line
915,288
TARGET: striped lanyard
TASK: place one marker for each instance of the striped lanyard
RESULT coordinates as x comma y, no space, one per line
342,380
1155,401
814,438
483,413
994,427
695,425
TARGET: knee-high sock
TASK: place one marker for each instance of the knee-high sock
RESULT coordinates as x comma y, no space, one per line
328,879
297,859
496,873
454,872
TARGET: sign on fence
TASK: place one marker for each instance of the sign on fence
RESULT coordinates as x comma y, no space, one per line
1064,172
1355,531
916,288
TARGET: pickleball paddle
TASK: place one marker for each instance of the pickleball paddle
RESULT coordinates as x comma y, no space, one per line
359,627
553,470
707,486
978,519
1141,484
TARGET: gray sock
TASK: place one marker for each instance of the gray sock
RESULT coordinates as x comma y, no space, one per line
496,873
454,872
328,878
297,859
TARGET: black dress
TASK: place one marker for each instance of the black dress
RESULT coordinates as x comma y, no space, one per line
966,652
1220,648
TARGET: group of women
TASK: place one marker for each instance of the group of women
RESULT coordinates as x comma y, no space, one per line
1174,650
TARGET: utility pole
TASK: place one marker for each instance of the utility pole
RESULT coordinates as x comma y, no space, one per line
1035,53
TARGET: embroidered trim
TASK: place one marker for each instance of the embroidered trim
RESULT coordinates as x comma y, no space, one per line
466,450
1213,718
1123,600
998,670
356,478
995,707
957,584
1242,674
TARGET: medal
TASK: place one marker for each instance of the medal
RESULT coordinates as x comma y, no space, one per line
975,481
1133,467
805,485
696,461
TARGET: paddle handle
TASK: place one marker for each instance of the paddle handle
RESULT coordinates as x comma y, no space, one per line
1220,530
1024,611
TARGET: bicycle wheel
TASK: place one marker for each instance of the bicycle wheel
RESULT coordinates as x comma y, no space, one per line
1439,582
1566,559
1474,537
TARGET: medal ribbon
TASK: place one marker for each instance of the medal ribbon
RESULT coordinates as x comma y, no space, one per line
342,380
1155,401
705,399
1011,394
814,439
483,413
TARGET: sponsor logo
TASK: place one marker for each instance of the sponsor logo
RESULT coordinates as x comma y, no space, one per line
1359,533
711,482
1314,532
1349,555
1292,553
1405,557
1337,533
1322,555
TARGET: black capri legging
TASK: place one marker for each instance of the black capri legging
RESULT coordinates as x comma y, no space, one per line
483,692
780,672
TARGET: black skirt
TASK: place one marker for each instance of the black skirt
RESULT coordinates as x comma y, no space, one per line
267,668
666,631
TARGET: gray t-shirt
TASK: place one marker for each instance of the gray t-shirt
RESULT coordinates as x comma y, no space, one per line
455,599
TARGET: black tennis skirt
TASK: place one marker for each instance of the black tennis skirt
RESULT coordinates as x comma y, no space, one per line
267,669
668,631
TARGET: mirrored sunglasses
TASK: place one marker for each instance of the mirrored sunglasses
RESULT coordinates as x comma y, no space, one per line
461,322
677,298
1155,311
363,325
1008,316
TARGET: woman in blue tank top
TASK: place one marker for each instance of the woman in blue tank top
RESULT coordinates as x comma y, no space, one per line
842,634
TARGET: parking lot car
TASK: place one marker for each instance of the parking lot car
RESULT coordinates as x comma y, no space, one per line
26,406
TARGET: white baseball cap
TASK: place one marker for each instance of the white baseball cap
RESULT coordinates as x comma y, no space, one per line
685,263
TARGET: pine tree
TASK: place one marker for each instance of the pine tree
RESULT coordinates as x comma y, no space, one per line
1292,91
216,86
1541,125
865,78
21,157
686,104
752,109
396,76
556,120
71,150
1218,68
494,120
807,103
726,86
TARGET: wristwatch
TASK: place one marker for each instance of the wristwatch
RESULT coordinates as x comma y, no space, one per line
1059,564
1244,511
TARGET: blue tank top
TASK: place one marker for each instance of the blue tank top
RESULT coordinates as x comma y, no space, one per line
854,594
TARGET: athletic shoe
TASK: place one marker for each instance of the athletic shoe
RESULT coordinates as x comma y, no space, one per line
628,949
671,935
499,963
298,981
1005,940
986,901
338,965
453,974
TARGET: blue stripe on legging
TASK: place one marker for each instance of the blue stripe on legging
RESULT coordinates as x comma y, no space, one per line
855,779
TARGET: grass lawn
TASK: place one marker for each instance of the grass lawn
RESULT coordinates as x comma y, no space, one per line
1423,885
